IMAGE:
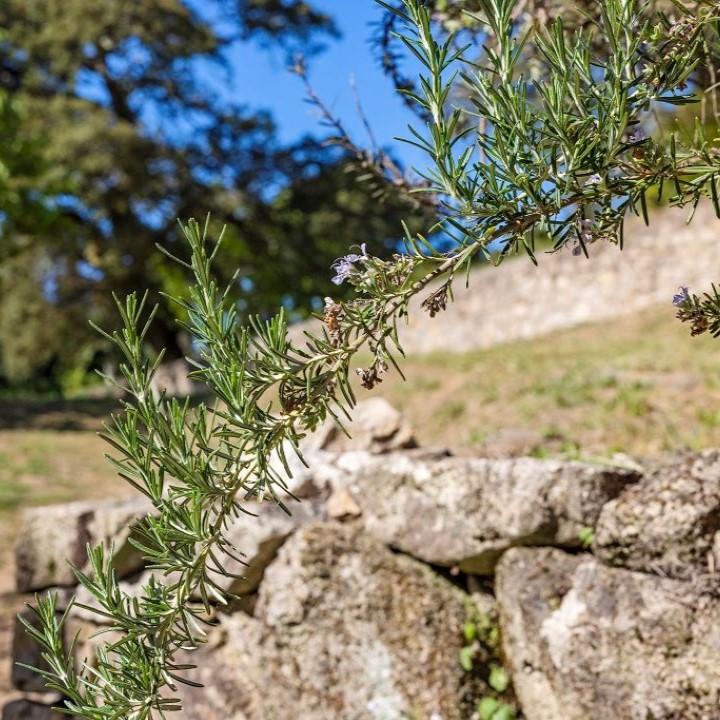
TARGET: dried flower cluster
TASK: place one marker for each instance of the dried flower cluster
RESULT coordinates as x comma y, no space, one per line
437,301
702,313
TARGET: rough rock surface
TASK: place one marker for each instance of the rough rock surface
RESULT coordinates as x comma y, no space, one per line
376,426
466,512
114,520
669,523
588,642
49,538
52,536
258,540
346,629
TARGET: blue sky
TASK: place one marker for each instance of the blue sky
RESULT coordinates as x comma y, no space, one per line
261,79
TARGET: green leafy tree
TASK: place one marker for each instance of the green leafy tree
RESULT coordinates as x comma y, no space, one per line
128,135
562,159
21,169
32,328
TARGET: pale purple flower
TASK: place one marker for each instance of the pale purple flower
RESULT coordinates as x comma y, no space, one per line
344,267
594,179
681,297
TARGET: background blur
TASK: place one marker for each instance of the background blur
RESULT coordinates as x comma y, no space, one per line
117,119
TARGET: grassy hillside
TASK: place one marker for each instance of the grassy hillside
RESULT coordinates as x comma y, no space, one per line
639,385
49,453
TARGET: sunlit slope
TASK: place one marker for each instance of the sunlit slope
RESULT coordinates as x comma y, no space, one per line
638,384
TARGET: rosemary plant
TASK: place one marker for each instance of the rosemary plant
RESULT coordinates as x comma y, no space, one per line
559,152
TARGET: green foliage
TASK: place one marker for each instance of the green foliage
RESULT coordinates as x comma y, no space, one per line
469,19
482,643
466,655
587,537
34,330
559,156
21,191
111,132
31,329
499,680
481,633
492,709
562,156
482,639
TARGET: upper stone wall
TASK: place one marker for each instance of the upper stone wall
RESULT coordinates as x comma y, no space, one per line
518,300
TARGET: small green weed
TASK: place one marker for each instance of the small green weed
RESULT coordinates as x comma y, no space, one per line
490,708
587,537
632,399
709,418
451,411
481,653
12,495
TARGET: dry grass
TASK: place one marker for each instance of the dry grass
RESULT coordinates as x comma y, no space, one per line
41,464
639,385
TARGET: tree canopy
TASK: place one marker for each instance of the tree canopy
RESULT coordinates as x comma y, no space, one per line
117,133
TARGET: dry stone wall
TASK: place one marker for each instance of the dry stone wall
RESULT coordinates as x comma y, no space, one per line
355,608
518,301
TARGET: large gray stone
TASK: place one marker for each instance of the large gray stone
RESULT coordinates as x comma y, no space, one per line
466,512
113,522
50,538
258,539
375,426
53,536
346,629
669,522
588,642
